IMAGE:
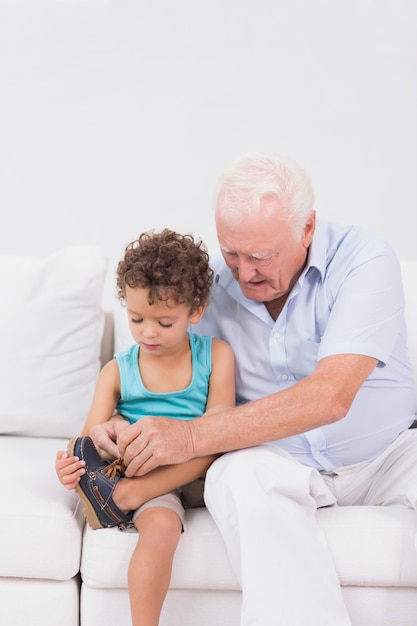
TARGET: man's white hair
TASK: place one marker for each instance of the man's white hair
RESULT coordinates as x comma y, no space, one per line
256,175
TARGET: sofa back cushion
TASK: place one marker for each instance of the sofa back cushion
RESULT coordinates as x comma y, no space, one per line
51,323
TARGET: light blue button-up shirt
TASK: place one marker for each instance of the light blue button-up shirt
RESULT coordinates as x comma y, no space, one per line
349,299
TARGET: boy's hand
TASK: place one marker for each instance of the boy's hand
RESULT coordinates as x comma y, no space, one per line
69,469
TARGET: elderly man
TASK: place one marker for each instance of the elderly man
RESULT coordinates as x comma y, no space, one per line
315,314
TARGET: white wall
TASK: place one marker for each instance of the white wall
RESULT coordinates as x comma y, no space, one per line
116,116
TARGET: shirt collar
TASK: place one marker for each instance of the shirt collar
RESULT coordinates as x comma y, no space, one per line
317,253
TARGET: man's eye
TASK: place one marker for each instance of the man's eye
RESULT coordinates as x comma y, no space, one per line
264,261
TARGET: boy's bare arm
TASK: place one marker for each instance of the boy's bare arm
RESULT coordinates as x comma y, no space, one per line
70,469
134,492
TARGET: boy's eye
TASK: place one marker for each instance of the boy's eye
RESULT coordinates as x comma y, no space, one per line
165,325
135,321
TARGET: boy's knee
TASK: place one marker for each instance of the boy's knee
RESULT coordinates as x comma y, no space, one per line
160,525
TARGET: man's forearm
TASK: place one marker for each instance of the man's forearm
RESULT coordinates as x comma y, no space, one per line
311,403
241,427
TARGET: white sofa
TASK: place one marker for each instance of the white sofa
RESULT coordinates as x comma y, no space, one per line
54,568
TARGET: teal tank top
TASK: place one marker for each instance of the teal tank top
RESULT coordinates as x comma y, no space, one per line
136,401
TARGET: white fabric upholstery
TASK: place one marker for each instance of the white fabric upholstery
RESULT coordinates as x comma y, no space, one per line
183,607
30,602
367,606
51,324
41,523
373,539
200,560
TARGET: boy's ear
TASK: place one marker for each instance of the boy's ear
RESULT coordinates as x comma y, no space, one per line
197,315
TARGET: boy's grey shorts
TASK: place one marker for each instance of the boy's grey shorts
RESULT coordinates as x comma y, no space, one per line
188,497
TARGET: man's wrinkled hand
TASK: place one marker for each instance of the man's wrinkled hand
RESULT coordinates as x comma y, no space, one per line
155,441
104,437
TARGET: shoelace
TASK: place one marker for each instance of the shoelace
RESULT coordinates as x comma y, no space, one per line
115,469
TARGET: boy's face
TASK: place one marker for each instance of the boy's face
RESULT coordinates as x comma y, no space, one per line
161,327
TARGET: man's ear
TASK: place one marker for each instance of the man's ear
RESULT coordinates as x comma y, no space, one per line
309,229
197,315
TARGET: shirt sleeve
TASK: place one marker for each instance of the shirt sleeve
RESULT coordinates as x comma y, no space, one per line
367,307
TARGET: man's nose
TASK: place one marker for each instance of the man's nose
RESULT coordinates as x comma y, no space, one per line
246,270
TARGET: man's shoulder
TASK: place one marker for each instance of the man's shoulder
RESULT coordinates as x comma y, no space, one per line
337,243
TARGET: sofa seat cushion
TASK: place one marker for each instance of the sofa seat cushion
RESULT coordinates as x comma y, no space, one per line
40,523
200,561
30,602
372,546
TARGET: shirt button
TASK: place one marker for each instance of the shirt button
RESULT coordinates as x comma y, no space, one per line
284,377
317,453
276,335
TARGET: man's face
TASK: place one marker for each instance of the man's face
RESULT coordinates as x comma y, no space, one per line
262,252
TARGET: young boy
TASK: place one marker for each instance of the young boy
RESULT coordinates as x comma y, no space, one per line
164,280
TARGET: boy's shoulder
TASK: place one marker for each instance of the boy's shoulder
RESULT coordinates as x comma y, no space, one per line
126,353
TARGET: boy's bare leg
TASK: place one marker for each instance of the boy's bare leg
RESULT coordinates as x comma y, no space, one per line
151,563
131,493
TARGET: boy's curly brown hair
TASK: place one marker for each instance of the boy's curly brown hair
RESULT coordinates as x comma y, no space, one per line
172,266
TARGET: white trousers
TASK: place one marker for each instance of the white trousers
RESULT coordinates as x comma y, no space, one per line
264,503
